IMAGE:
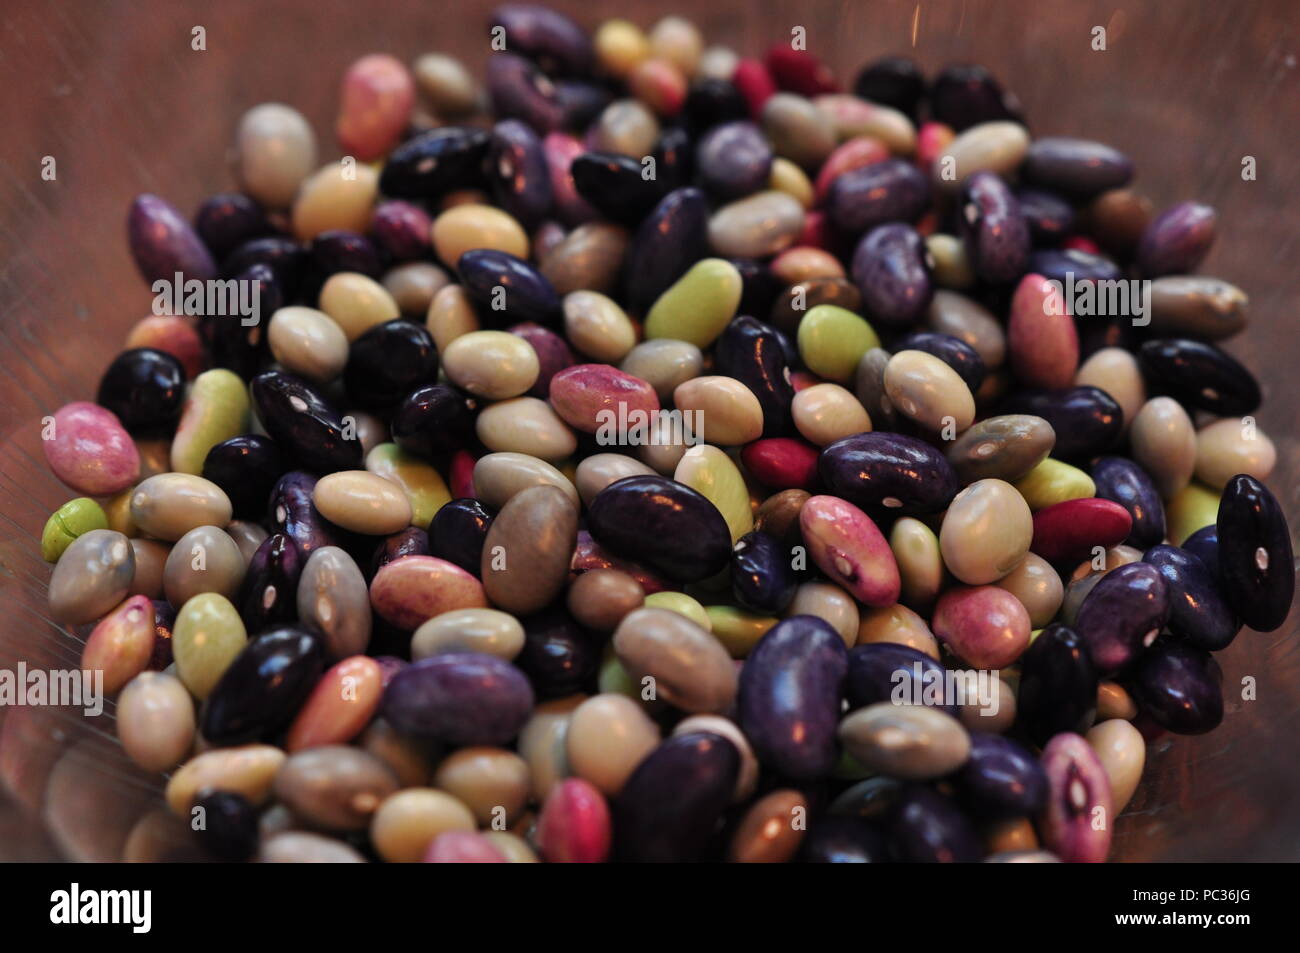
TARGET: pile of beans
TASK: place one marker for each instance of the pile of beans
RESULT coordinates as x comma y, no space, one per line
376,577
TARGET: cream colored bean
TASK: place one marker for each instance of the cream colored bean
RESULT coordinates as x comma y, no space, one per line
526,425
598,327
899,625
492,782
488,631
589,258
755,227
356,303
627,127
1122,752
303,847
1115,371
169,505
155,720
542,743
608,736
747,779
920,563
413,286
339,196
491,364
248,770
828,602
1234,445
986,532
370,430
247,536
910,742
599,470
930,392
451,315
1164,443
690,668
729,413
467,227
664,364
275,150
447,85
995,713
1038,587
499,476
662,454
990,146
824,413
308,343
362,502
408,820
203,560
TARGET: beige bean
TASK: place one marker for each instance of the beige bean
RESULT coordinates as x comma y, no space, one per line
408,820
542,743
997,146
690,668
910,742
756,227
952,266
451,314
203,560
340,196
155,720
829,602
920,563
747,779
1164,443
308,343
994,714
93,575
363,502
333,600
526,425
608,736
499,476
900,625
413,286
928,391
1038,587
169,505
805,263
248,770
466,227
447,85
335,787
356,303
600,598
529,548
513,847
729,413
488,631
589,258
303,847
664,452
1114,701
1115,371
247,536
1123,753
150,562
823,413
599,470
491,364
275,150
986,532
960,316
664,364
1234,445
769,833
627,127
492,782
598,327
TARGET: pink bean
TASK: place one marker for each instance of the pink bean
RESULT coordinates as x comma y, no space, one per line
984,625
574,826
845,544
799,71
560,150
89,450
463,847
1079,817
377,97
1041,338
932,141
412,589
589,397
121,645
174,334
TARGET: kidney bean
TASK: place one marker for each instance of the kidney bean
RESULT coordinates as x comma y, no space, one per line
923,826
90,451
1086,420
1123,614
1199,376
1002,779
894,81
994,229
461,698
1041,337
1071,530
163,243
155,720
899,473
984,625
614,184
1196,306
1255,554
734,159
1199,610
144,388
751,352
846,545
439,161
761,577
1078,168
266,596
292,512
333,600
527,295
574,825
905,741
434,420
169,505
1176,240
559,656
533,537
689,669
388,362
1078,820
1180,687
874,194
301,422
246,468
670,527
1049,216
902,674
263,687
411,589
986,532
671,238
890,268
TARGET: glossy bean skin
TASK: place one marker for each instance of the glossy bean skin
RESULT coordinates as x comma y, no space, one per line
900,474
434,163
751,352
434,420
387,362
923,826
734,160
462,698
518,173
1204,545
890,270
1122,615
890,191
559,656
1076,167
1002,779
670,239
669,806
574,825
92,576
1255,554
849,548
412,589
1086,420
155,720
886,671
1005,447
536,531
1196,306
761,578
1078,797
1176,240
90,450
303,424
1180,686
1124,482
144,387
1058,685
690,669
1050,217
1199,611
953,351
994,229
291,511
264,687
163,243
983,625
458,532
842,840
528,297
266,596
789,698
1199,376
667,526
614,185
1057,264
247,469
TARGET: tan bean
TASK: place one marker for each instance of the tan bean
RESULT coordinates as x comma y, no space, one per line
599,470
1114,701
986,532
526,425
363,502
589,258
466,227
247,536
542,743
997,146
92,576
492,782
406,821
597,326
911,742
529,548
336,787
1122,752
997,716
600,598
664,364
952,267
729,412
334,600
928,391
690,668
491,364
757,226
900,625
964,318
488,631
413,286
308,343
248,770
356,303
339,196
150,562
607,737
155,720
1115,371
1016,834
626,127
1038,587
302,847
805,263
450,315
1234,445
447,85
829,602
513,847
169,505
499,476
205,559
826,412
769,833
275,150
778,515
1164,443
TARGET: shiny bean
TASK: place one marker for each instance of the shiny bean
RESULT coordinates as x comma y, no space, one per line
1123,614
984,625
1255,553
203,560
1006,447
1080,813
1002,779
1180,687
607,737
409,590
499,476
90,450
93,575
1228,447
1127,484
688,668
1164,444
1042,342
663,524
335,787
333,600
846,545
1058,685
893,471
986,532
206,638
1122,752
908,742
1038,588
890,267
756,227
263,687
155,720
249,770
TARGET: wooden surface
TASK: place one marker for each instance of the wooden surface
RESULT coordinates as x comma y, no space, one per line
114,92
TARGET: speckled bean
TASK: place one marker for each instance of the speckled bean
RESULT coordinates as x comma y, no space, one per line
333,599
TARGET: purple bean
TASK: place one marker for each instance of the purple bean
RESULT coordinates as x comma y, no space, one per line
519,90
663,524
267,596
886,671
1199,611
761,578
1002,779
890,191
1199,376
752,352
1058,685
1077,823
614,185
518,174
891,269
462,698
1180,687
888,472
1087,420
162,243
436,162
556,43
994,229
1078,168
924,827
1255,555
1176,240
227,220
836,839
508,288
734,159
1123,481
305,426
672,237
1122,615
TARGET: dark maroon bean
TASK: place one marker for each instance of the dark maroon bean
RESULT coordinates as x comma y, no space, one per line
1199,376
662,523
1087,420
1070,264
1122,615
1198,609
292,512
548,37
892,271
519,90
1002,779
518,173
1078,168
841,839
163,244
1255,555
761,577
553,355
589,554
267,596
1123,481
387,363
1180,687
247,468
890,191
227,220
926,827
232,344
674,156
890,472
672,803
412,541
712,102
953,351
145,388
752,353
1104,331
264,687
434,420
994,229
894,81
1058,685
164,617
286,258
615,186
1176,240
462,698
304,425
436,162
886,671
229,830
524,295
1050,217
581,102
402,230
672,237
458,531
735,160
337,250
791,687
559,656
965,96
759,287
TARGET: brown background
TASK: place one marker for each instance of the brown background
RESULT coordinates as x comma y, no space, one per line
114,92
